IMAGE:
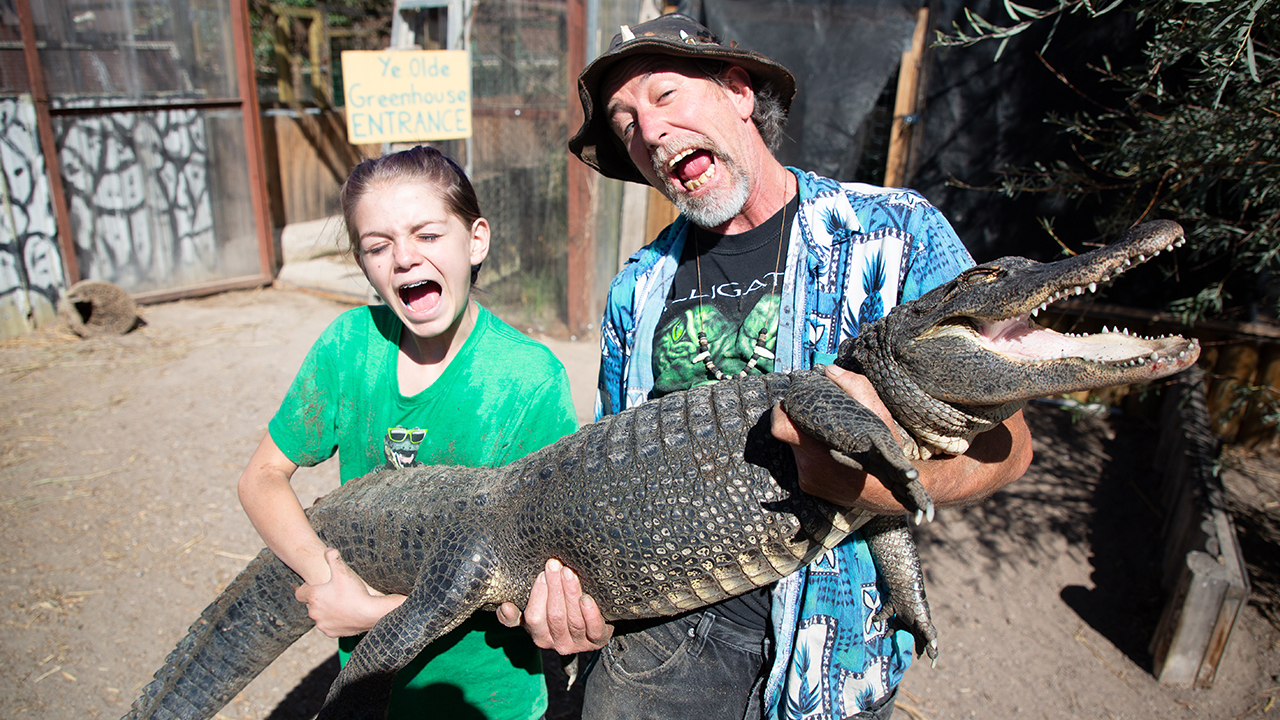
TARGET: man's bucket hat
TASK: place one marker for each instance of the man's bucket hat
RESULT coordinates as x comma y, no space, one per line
674,35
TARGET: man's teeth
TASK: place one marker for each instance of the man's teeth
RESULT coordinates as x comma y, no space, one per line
702,179
697,182
671,164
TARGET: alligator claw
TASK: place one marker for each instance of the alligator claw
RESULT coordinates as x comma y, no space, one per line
902,598
857,436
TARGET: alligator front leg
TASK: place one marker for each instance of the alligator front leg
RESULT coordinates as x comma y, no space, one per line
448,590
857,436
894,551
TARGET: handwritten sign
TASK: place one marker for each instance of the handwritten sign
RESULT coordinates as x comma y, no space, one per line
406,95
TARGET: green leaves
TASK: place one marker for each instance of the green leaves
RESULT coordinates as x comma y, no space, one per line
1196,139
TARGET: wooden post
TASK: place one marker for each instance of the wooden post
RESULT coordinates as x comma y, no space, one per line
284,64
48,147
905,104
251,120
318,49
581,283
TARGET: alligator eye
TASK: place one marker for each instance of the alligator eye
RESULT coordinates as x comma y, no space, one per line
980,275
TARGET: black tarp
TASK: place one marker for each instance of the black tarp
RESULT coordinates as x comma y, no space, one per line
978,115
843,55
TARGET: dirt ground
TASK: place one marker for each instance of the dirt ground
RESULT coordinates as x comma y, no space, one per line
118,515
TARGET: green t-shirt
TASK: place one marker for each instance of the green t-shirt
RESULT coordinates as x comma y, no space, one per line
502,397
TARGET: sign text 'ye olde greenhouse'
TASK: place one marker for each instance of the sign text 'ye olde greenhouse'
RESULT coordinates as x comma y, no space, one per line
406,95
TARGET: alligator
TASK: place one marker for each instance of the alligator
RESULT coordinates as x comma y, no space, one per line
686,500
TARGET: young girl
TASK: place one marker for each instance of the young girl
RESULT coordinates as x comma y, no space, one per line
428,378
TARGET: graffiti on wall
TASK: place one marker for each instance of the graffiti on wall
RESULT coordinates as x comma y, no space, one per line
138,193
31,269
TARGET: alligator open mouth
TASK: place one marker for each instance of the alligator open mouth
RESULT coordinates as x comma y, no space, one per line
982,323
1022,340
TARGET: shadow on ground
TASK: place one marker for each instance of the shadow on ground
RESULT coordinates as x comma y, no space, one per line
1088,487
306,698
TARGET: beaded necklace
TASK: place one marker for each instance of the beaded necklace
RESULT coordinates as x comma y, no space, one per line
704,347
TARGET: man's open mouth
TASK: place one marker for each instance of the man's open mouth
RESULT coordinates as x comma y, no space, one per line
692,168
422,296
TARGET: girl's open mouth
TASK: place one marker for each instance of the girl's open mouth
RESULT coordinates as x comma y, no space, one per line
422,296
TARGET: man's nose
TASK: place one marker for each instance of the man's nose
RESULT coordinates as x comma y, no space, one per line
653,128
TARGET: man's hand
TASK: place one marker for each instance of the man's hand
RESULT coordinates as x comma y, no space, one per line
558,615
994,459
344,606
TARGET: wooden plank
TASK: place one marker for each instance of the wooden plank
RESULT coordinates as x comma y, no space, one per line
314,159
1189,620
905,104
251,122
1204,578
582,313
660,214
212,287
1234,598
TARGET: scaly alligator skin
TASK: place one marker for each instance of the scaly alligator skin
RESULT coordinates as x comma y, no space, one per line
683,501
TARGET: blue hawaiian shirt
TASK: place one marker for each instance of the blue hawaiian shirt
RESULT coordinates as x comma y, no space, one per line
856,251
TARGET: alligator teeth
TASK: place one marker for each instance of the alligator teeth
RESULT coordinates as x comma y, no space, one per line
1036,311
1154,356
1142,258
1093,287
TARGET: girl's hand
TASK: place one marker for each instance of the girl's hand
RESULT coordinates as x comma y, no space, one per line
344,606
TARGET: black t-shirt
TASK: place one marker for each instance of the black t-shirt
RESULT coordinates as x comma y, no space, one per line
729,287
737,296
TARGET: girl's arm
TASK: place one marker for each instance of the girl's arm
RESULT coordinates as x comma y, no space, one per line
337,599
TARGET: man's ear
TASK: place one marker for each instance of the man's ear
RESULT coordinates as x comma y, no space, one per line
479,241
737,82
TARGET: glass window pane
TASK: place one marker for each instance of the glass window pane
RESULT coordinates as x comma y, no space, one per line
129,51
13,66
519,158
158,200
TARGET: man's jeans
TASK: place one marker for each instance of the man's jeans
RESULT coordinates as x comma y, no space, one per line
698,666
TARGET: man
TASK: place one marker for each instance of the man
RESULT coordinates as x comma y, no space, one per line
767,269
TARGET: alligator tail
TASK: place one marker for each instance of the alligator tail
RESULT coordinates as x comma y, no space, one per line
247,627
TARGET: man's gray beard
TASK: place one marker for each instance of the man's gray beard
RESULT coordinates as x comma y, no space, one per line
710,211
